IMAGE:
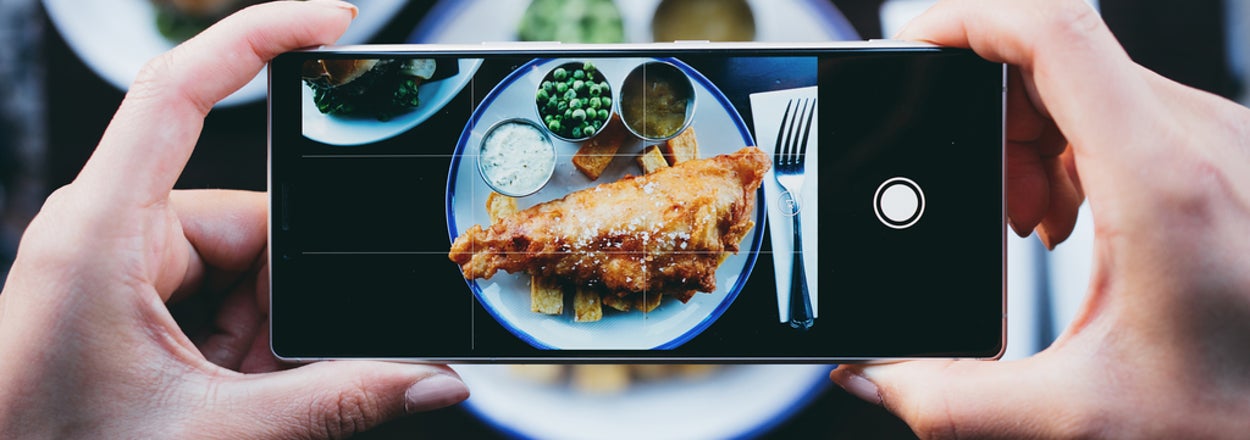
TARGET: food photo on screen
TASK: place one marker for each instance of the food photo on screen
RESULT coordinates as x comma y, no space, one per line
647,204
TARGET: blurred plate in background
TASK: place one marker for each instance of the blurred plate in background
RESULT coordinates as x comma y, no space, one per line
116,38
351,130
736,401
475,21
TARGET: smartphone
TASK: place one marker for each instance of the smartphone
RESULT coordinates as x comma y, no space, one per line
691,202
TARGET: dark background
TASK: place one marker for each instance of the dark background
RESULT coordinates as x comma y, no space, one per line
1182,40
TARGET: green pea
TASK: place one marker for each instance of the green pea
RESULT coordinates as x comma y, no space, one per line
597,124
595,90
568,113
594,103
570,95
605,101
552,103
588,67
548,86
554,126
560,74
575,104
543,95
603,114
561,88
579,85
579,115
579,74
562,106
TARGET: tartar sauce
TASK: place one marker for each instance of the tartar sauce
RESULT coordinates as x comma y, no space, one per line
517,159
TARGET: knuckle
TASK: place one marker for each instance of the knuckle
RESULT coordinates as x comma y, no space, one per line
1074,20
926,413
152,77
347,413
936,425
162,81
51,235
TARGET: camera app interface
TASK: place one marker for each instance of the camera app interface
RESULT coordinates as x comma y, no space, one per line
692,206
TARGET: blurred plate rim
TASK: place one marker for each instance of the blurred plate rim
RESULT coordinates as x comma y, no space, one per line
373,17
437,19
818,384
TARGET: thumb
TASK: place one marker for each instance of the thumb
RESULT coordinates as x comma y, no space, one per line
971,399
335,399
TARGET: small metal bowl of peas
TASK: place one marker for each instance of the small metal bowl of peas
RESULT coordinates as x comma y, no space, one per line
574,101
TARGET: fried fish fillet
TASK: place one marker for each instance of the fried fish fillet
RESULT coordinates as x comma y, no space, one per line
663,231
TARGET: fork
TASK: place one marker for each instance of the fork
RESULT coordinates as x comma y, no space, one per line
788,159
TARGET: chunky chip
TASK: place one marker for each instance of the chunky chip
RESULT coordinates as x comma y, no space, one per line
595,154
586,305
682,148
546,295
647,301
617,302
652,160
600,379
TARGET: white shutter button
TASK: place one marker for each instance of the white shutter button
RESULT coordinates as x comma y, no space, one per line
898,203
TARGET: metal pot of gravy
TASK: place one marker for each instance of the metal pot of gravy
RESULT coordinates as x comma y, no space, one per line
657,101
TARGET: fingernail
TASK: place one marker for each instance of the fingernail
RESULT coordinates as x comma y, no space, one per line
434,392
341,5
1045,238
1015,229
859,386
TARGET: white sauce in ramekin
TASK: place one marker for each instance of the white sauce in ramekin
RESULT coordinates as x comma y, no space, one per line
517,158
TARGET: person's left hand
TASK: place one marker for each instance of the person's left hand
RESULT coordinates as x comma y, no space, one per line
87,344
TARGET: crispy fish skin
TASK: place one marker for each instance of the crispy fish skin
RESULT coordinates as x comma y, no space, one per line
662,231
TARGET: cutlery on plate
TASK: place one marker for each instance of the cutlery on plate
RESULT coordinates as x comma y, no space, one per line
788,160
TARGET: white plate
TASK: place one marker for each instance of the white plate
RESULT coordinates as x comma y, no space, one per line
739,401
339,130
115,38
719,129
466,21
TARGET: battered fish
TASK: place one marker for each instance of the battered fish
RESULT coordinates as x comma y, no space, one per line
664,231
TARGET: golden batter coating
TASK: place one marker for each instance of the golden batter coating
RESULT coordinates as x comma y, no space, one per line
664,231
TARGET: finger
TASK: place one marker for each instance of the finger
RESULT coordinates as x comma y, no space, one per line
335,399
260,358
227,231
970,399
1065,202
150,138
1029,190
234,329
1083,78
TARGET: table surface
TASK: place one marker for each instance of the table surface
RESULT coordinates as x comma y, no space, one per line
231,154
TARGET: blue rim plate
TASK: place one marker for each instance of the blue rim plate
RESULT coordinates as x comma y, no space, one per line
740,401
116,38
351,131
465,21
506,296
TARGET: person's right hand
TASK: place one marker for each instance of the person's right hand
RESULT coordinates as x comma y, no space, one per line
1161,348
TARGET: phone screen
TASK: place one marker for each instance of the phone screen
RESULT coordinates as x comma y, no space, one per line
810,204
